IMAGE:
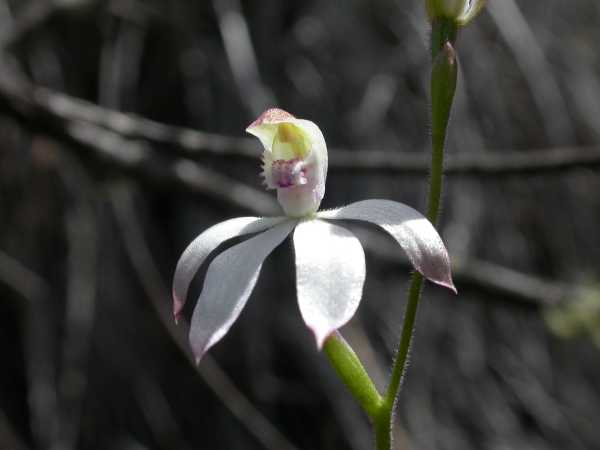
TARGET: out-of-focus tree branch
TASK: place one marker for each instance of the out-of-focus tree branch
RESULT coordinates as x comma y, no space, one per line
63,114
132,155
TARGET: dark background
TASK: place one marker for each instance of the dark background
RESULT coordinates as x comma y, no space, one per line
95,208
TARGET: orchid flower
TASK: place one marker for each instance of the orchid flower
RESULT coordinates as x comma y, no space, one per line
330,262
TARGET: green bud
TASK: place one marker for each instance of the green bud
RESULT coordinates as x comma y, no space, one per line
443,86
460,12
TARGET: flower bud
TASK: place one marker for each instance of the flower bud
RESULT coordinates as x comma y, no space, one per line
294,160
459,11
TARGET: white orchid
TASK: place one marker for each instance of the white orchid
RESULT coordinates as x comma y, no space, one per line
330,262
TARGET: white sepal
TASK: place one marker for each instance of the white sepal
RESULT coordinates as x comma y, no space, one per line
413,232
197,251
229,282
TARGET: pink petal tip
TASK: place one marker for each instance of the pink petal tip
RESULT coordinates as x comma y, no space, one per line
271,116
447,284
320,337
177,307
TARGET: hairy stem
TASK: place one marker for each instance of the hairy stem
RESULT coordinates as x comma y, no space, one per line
443,86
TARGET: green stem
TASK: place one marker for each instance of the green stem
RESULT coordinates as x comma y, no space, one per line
382,428
442,30
353,374
443,86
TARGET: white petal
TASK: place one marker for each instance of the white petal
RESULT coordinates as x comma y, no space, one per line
330,273
415,234
228,284
195,253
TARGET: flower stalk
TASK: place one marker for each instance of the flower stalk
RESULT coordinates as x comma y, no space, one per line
351,371
443,87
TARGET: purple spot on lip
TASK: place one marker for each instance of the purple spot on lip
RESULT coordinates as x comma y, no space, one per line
288,173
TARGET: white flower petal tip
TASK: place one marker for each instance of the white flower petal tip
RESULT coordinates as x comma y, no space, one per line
413,232
229,281
330,274
294,160
199,249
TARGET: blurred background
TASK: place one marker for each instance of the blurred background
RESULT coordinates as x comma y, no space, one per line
121,130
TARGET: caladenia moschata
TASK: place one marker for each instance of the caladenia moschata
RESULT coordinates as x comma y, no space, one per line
330,262
329,259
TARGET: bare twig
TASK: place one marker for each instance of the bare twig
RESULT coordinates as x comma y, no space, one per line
41,394
503,282
241,55
127,154
81,298
21,279
62,113
529,54
93,126
67,115
158,413
33,16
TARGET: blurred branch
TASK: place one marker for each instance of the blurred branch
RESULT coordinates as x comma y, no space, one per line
38,348
538,73
21,279
512,284
34,15
504,282
82,238
241,55
151,280
158,413
65,115
481,164
128,155
75,119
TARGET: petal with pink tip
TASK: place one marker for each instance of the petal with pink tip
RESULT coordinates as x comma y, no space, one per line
264,127
229,282
330,273
415,234
197,251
